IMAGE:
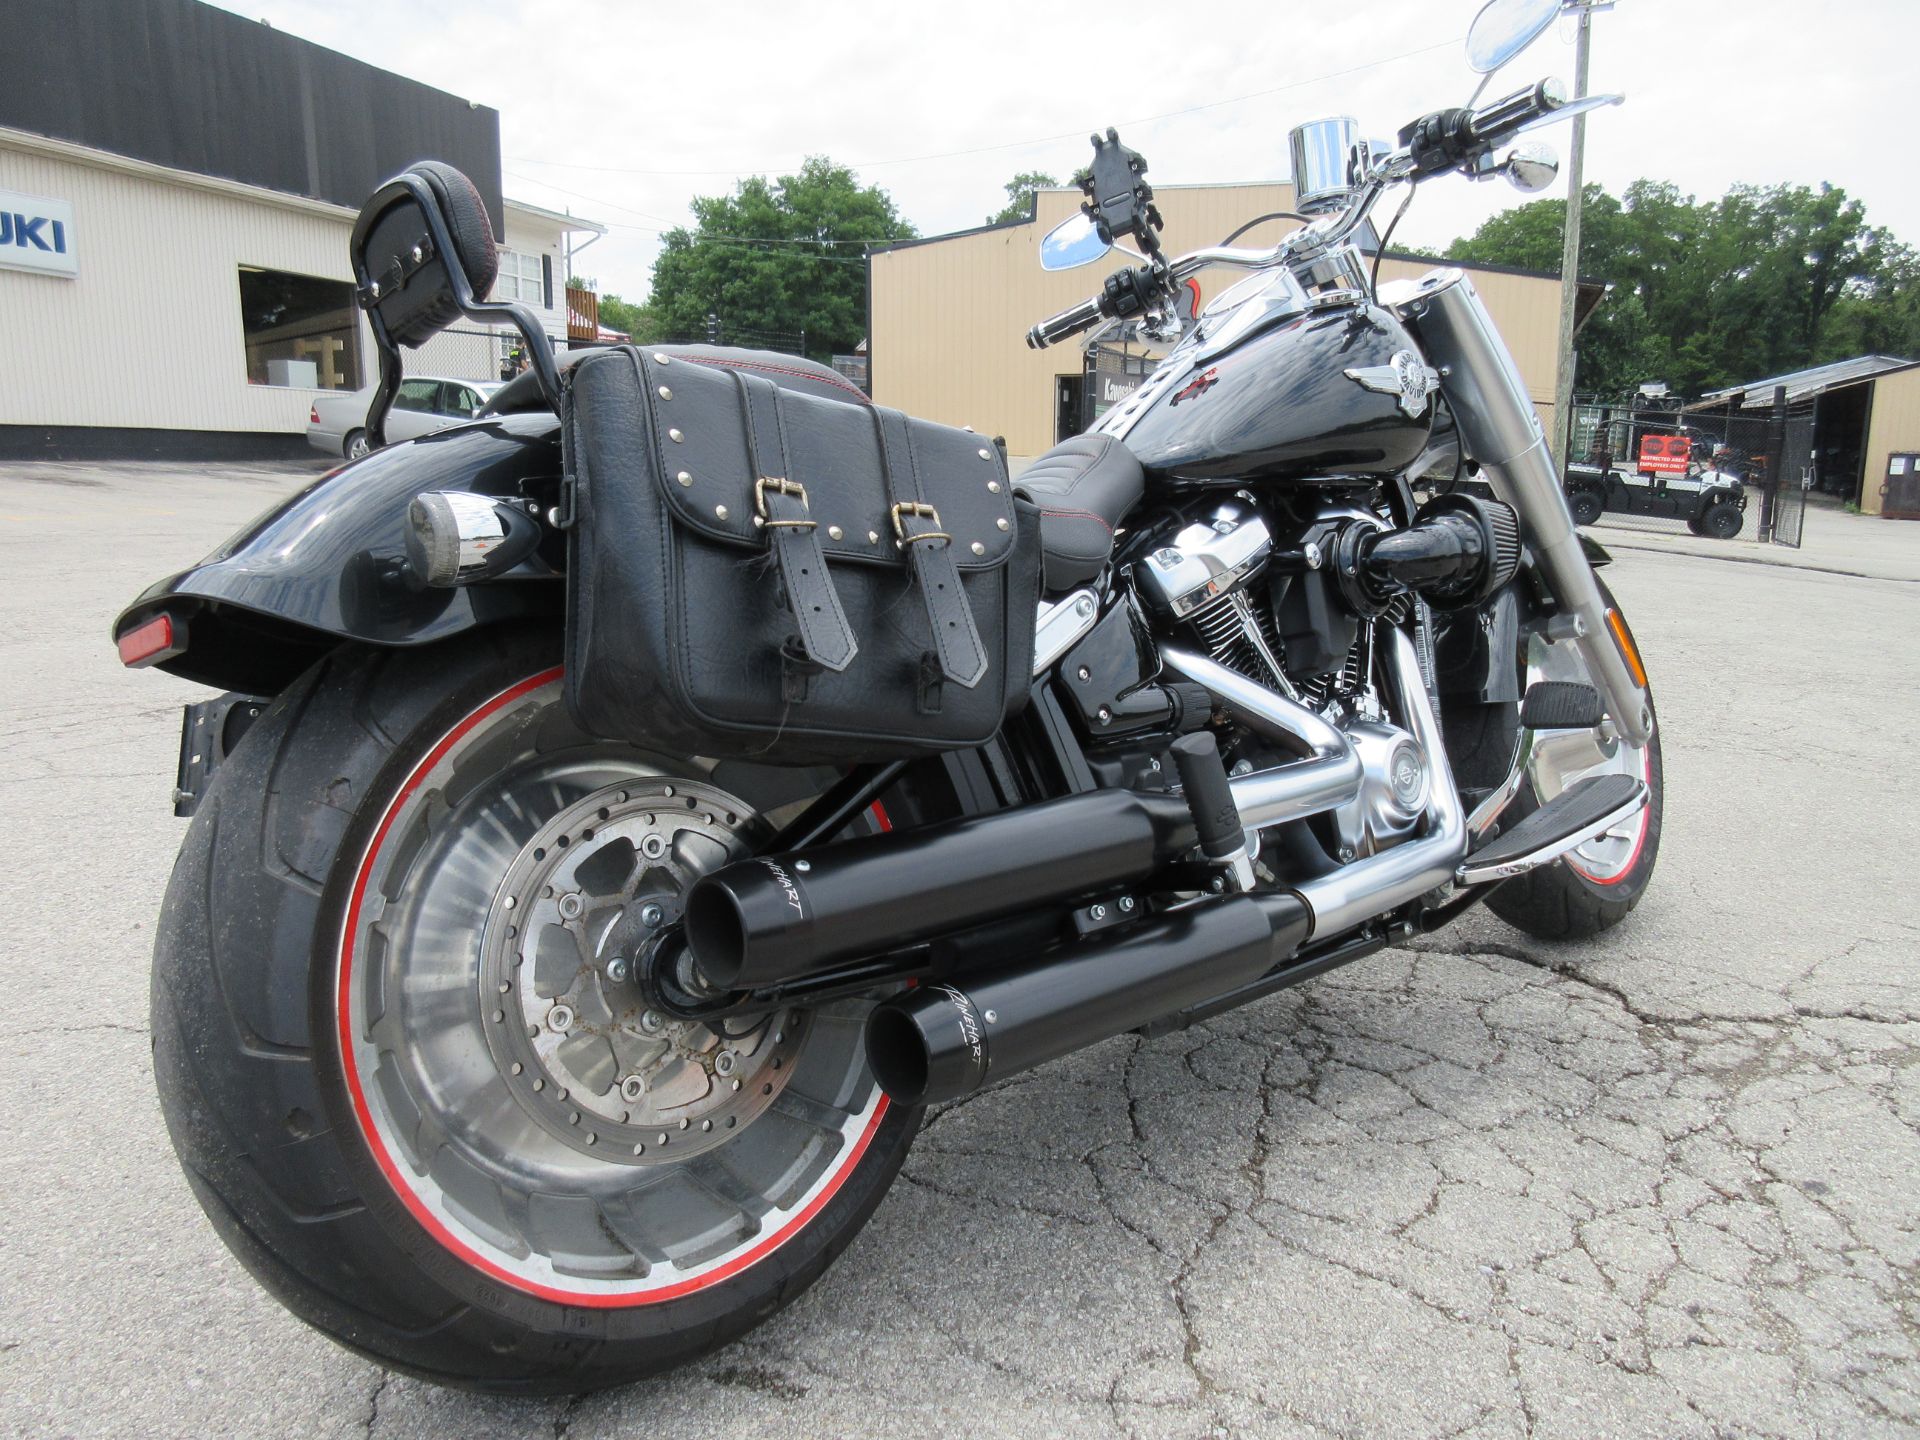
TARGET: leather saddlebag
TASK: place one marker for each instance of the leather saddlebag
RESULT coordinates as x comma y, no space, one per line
755,571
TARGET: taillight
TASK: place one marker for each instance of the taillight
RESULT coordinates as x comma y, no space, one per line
313,414
152,641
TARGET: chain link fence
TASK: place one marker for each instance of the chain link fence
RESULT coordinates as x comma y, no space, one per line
1733,474
474,354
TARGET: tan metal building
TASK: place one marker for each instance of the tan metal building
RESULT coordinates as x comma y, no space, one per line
1865,444
1893,439
949,314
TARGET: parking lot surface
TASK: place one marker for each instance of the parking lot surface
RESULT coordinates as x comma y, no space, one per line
1661,1185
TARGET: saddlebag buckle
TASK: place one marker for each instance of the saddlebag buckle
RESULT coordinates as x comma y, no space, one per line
909,509
763,518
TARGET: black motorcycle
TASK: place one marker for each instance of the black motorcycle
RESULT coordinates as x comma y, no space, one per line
630,808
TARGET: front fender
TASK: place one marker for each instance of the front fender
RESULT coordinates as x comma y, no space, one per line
324,566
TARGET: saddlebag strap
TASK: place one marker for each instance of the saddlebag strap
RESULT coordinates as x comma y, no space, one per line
824,638
929,551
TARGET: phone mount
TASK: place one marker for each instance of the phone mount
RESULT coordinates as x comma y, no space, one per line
1119,200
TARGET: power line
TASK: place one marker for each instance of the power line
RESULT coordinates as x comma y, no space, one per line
1010,144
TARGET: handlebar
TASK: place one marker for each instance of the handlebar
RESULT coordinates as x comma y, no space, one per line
1067,323
1435,144
1504,117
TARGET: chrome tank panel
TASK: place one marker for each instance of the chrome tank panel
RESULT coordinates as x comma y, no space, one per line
1278,405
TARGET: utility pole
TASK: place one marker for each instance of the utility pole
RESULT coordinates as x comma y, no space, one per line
1570,249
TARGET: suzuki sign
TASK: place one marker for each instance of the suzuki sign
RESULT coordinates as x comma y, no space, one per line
37,234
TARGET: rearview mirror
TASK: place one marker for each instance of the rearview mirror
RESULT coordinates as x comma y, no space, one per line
1530,168
1504,28
1071,244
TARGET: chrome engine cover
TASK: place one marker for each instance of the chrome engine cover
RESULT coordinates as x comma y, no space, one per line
1396,781
1207,560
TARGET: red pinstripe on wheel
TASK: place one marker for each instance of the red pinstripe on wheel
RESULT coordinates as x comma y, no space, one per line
397,1175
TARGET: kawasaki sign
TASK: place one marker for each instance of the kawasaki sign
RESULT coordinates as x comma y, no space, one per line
37,234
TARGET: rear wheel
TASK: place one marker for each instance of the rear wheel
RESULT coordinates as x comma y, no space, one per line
405,1063
1722,520
355,446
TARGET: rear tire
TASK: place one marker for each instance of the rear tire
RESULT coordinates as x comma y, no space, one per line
288,1152
355,446
1722,520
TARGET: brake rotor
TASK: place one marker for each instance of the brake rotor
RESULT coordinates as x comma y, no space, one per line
567,1023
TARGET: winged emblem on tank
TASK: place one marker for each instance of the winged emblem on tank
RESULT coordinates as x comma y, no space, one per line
1406,375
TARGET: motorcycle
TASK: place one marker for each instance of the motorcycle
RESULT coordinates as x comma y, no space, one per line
529,1060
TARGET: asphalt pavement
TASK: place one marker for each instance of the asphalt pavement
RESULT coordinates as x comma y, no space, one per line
1660,1185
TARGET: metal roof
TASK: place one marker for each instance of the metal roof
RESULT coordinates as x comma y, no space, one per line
1805,384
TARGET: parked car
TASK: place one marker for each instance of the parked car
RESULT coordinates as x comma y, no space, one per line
337,423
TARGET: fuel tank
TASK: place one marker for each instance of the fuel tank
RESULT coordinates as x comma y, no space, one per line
1279,404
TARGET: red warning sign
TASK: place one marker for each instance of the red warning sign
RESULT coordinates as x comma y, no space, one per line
1664,454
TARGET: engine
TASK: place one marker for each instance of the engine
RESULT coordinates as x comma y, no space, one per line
1300,619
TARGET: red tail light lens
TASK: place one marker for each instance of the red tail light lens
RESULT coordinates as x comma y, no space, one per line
313,413
152,641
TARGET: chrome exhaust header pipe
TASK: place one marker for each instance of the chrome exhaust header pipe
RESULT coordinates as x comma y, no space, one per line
1358,892
1502,432
1327,778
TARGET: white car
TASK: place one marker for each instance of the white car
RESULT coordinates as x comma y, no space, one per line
337,423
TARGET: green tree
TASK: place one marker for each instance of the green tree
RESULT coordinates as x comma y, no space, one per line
638,322
781,256
1020,190
1709,293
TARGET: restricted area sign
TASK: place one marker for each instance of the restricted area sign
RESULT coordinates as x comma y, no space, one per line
1664,454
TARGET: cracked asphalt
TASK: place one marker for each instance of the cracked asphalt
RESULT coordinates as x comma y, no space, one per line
1660,1185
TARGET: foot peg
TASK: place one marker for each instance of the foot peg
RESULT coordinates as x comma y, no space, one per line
1209,795
1560,705
1583,810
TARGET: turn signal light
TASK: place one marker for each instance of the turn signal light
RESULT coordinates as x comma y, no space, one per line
160,638
1628,652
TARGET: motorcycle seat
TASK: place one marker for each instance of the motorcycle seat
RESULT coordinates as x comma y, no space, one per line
522,394
1084,487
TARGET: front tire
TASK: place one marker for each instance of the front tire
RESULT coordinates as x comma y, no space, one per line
365,1134
1597,885
1586,504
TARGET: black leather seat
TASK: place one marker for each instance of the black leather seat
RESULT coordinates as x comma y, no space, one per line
1084,488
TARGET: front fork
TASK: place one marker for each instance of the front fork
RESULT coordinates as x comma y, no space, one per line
1498,426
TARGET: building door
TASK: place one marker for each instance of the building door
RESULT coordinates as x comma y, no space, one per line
1069,406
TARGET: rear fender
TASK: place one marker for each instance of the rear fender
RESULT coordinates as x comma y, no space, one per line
325,566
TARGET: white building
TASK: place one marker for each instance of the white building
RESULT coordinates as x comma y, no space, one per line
179,283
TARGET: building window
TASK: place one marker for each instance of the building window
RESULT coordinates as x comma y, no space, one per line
300,330
523,278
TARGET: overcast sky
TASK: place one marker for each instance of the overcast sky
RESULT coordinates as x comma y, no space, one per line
623,110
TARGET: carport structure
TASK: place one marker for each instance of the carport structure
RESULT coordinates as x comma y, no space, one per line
1866,420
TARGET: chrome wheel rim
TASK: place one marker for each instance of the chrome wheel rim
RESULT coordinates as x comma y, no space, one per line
1560,758
603,1155
357,448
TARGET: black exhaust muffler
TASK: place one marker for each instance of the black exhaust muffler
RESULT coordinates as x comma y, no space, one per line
942,1041
776,919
